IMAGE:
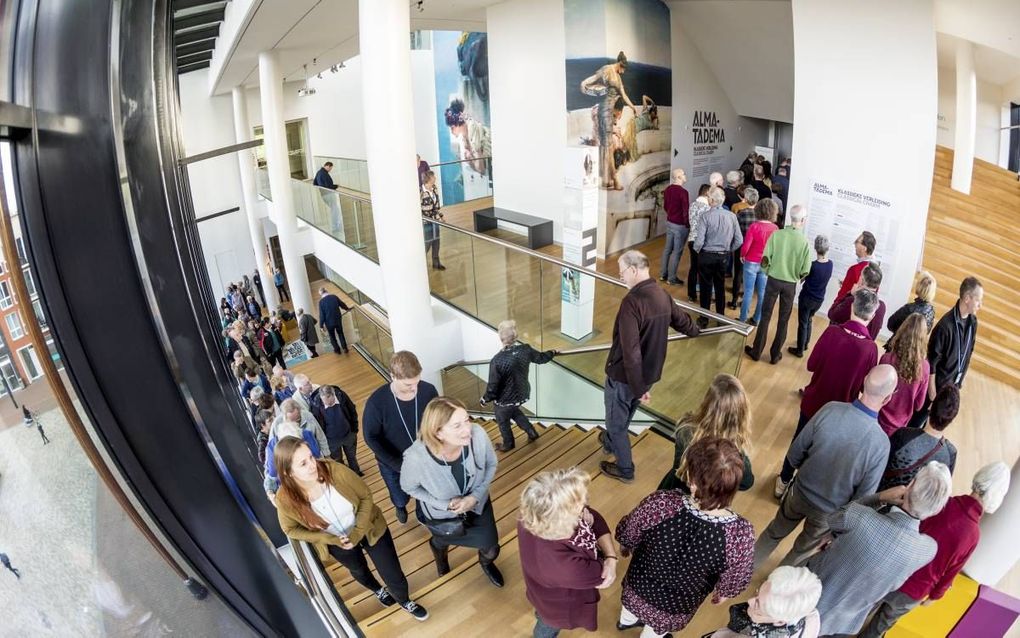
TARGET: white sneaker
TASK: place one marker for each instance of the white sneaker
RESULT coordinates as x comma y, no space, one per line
780,487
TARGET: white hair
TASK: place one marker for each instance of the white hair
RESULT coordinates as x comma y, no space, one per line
991,484
507,331
715,179
733,178
930,490
797,214
716,196
300,380
793,594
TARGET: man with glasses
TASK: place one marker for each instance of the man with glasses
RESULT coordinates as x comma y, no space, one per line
864,248
636,357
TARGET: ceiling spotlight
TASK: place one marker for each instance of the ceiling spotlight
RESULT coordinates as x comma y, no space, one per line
421,6
319,75
333,69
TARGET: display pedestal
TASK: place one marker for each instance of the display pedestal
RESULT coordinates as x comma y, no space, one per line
580,199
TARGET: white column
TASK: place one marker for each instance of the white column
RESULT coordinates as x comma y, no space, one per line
278,163
246,165
998,550
966,117
389,144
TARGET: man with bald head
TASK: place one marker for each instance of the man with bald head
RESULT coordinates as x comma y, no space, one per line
839,456
636,357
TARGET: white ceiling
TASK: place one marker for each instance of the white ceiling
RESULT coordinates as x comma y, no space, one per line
990,65
992,23
748,45
322,30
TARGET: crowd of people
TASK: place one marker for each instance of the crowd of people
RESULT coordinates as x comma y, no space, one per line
866,478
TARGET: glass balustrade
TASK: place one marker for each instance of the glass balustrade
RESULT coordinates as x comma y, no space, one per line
458,180
348,173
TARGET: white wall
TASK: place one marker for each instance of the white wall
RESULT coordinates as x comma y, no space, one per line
989,116
695,88
528,101
879,141
206,124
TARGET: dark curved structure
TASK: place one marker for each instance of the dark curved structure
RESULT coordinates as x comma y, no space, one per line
110,231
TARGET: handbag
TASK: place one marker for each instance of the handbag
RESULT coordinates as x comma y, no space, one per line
891,474
445,527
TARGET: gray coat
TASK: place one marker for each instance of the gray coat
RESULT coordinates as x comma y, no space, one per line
872,554
432,484
308,332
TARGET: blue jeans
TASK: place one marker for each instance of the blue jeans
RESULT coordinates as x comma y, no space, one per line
543,630
754,279
621,405
676,237
391,478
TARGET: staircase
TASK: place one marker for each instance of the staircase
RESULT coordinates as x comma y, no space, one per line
557,447
976,235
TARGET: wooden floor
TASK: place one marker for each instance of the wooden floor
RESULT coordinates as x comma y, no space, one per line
986,430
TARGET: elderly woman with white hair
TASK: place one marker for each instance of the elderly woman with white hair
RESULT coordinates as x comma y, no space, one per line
957,531
567,552
784,607
508,385
876,546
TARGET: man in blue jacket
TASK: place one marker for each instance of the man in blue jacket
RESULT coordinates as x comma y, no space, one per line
339,418
330,314
322,177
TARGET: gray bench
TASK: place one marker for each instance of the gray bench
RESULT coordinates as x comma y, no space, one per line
540,231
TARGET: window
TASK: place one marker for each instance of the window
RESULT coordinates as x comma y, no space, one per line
6,298
54,355
20,242
30,282
14,326
297,145
30,363
37,307
10,374
3,266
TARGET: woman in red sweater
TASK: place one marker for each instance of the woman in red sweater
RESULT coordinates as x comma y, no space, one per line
908,353
567,552
750,255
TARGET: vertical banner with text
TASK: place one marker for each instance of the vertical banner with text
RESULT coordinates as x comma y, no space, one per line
580,223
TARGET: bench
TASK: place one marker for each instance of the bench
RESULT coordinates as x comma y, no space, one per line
540,231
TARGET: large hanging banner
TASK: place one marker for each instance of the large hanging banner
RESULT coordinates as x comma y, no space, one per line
580,223
842,213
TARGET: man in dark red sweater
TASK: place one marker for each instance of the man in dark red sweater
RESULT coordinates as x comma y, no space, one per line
957,531
677,202
839,362
870,279
636,357
864,248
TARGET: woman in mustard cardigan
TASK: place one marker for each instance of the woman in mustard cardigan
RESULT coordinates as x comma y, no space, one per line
326,504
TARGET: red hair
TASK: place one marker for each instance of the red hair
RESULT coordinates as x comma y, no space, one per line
714,469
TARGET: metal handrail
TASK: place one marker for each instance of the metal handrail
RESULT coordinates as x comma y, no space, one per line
729,324
372,319
601,347
461,161
323,595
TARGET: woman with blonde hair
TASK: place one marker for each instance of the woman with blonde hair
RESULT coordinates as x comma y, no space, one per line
924,295
725,413
567,552
908,353
448,471
326,504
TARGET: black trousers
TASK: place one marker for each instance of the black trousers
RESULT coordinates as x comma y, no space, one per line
337,332
348,446
282,290
276,357
712,277
504,413
384,556
784,291
738,276
262,294
311,348
433,245
806,309
692,274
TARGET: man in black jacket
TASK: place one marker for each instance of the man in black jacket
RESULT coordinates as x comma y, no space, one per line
951,345
637,355
508,383
331,313
339,418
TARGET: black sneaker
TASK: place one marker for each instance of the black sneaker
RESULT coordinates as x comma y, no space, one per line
401,515
622,627
749,351
613,470
663,278
796,352
385,597
416,610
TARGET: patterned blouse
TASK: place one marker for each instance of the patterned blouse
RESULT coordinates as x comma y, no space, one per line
681,555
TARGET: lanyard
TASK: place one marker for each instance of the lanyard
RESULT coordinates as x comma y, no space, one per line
401,415
329,504
963,347
463,469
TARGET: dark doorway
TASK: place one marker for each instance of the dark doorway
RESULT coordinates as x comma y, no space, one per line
1014,138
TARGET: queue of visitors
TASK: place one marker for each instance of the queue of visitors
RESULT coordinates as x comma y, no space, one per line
866,478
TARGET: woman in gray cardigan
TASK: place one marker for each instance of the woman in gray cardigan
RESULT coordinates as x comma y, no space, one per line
448,471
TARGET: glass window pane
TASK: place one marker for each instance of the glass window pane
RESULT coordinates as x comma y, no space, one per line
14,326
6,298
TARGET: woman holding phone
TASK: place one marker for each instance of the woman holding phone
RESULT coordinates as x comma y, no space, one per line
326,504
